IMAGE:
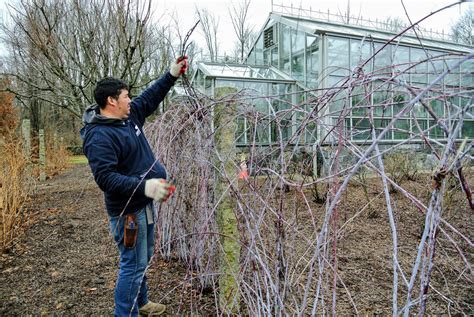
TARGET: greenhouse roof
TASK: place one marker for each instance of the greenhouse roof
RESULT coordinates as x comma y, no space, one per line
318,26
242,72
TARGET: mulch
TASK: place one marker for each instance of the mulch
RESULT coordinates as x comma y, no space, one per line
66,263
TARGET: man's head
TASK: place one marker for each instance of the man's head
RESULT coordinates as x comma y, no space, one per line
111,94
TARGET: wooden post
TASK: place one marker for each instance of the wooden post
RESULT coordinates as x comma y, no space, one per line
42,156
26,132
226,126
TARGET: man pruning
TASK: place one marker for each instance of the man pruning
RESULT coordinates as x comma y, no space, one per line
126,170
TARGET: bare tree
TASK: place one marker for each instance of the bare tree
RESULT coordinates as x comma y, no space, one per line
209,26
180,35
463,30
59,49
239,17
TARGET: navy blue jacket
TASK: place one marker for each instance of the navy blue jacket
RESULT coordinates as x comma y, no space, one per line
119,154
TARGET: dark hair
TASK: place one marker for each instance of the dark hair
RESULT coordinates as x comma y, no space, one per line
108,87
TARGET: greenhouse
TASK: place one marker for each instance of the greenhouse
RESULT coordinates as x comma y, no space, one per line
313,62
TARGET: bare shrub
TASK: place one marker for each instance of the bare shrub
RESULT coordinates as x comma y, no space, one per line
401,167
361,178
14,183
319,192
56,155
299,257
14,190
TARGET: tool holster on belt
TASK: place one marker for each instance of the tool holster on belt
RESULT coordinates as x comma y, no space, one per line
130,231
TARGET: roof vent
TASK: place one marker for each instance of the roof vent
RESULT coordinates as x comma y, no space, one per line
268,39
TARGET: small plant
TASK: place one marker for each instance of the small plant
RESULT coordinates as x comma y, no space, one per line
362,179
56,156
401,167
319,192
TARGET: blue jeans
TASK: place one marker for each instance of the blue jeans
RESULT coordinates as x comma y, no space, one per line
131,286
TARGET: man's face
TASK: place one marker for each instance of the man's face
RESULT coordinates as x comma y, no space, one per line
122,105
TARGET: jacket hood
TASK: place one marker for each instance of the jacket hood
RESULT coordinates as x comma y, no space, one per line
92,117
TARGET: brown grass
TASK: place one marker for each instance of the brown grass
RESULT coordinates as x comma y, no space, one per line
14,189
57,157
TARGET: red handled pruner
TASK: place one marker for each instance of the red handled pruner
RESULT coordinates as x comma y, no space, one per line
185,65
171,189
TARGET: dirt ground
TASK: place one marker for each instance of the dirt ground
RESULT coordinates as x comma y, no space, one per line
66,263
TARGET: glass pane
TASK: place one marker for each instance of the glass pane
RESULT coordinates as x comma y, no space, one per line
399,101
359,102
297,55
261,105
338,56
281,110
311,132
312,60
285,48
383,59
266,57
450,109
468,129
401,62
240,133
275,57
200,79
258,136
419,128
380,125
339,99
419,70
251,58
360,53
437,105
401,129
361,129
467,74
309,118
465,101
381,100
229,83
263,131
259,51
336,81
436,132
242,71
435,66
258,119
419,111
452,126
348,128
453,78
208,86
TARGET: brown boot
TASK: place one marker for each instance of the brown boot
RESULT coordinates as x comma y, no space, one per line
151,309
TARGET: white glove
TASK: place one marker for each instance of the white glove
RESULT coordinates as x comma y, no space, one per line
179,66
157,189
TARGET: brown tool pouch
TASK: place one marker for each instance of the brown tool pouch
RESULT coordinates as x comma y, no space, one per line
130,231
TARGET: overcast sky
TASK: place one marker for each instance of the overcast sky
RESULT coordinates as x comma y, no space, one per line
259,9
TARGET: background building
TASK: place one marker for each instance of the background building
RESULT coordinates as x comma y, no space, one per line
358,76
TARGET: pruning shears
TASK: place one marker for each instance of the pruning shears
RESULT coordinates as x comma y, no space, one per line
171,189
